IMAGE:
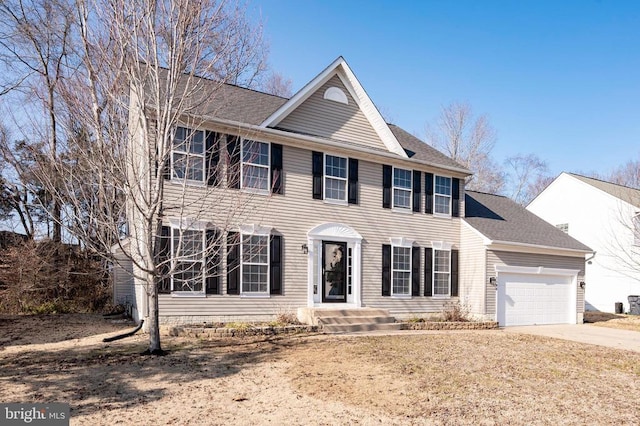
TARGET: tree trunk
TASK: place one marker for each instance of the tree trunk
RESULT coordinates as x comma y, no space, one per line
154,321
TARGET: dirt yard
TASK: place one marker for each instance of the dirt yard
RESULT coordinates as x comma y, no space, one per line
620,321
443,378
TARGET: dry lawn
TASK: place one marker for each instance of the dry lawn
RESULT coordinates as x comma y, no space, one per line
443,378
623,322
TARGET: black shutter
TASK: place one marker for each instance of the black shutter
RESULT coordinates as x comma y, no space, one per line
428,272
233,263
233,174
213,158
353,181
317,166
276,168
428,190
415,270
454,273
164,252
213,263
455,192
387,172
275,264
386,270
416,190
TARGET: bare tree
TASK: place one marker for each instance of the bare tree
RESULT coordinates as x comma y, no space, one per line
35,37
146,69
469,141
627,175
526,174
277,84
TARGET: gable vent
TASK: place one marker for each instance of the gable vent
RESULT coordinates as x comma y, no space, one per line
337,95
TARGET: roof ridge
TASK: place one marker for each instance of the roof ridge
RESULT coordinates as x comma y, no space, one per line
603,181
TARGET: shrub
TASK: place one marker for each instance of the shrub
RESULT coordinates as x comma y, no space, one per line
455,312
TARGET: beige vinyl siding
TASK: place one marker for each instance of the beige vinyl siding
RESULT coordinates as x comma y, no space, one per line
531,260
326,118
292,215
472,270
123,291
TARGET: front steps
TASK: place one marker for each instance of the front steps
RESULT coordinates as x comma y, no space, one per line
354,320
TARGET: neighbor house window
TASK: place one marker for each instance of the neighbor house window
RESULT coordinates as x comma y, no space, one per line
335,178
255,264
187,155
564,227
401,271
442,192
255,165
402,188
187,248
441,272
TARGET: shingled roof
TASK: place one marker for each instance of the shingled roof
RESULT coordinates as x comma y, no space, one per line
501,219
630,195
234,103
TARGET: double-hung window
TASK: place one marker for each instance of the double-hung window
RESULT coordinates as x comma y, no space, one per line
401,271
255,165
188,154
255,264
188,249
402,188
441,273
335,178
442,195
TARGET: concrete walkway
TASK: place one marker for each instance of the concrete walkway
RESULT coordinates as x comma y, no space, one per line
585,333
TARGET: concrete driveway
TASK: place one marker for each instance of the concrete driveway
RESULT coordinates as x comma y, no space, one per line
585,333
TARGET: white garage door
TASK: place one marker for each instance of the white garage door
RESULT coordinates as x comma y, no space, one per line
526,299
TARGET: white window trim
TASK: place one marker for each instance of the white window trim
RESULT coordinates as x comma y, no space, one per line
325,177
242,166
202,231
446,247
437,194
408,209
402,242
174,177
263,231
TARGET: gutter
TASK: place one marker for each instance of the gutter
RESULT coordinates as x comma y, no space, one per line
543,247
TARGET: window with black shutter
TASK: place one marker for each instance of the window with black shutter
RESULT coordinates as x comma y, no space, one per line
428,272
164,251
353,181
387,174
233,263
213,157
276,169
428,190
415,271
416,190
275,265
233,172
455,194
386,270
317,172
454,273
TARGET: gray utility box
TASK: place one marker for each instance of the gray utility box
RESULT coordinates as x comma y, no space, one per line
634,305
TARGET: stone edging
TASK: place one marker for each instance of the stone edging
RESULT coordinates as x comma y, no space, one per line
442,325
204,332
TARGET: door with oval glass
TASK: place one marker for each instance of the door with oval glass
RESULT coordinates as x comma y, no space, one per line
334,271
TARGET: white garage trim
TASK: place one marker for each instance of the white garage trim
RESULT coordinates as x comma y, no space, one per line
563,278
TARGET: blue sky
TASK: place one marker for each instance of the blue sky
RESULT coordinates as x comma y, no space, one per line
560,79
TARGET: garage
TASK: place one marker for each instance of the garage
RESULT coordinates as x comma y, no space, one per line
536,298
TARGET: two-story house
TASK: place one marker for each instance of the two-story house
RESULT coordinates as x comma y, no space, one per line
316,202
605,216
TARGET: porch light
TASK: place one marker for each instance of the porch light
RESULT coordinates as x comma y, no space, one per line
305,249
493,281
582,284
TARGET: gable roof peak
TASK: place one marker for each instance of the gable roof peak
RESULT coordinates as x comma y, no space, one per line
622,192
340,67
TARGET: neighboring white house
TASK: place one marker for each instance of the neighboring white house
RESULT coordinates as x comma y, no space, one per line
604,216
